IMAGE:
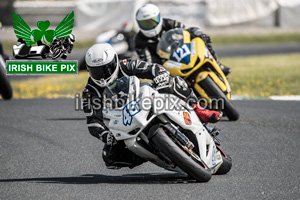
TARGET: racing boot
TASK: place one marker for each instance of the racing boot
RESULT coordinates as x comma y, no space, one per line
207,116
117,156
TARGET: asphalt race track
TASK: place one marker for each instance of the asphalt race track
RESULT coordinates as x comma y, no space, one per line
47,153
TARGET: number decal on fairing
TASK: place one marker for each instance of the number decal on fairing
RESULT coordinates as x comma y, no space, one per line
131,109
182,54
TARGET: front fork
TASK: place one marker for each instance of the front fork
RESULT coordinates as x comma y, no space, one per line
214,132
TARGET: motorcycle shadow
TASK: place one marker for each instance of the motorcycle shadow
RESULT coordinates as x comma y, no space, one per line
145,178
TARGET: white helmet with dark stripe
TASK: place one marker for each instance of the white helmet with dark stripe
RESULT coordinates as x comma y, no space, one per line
149,20
102,63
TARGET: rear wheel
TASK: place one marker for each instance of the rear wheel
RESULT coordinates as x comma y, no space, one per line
180,157
214,92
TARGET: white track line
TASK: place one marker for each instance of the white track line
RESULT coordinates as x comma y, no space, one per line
286,98
276,98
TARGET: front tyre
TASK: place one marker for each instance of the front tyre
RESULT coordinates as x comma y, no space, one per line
179,157
226,165
214,92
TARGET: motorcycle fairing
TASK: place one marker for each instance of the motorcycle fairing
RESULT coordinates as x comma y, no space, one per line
130,132
200,57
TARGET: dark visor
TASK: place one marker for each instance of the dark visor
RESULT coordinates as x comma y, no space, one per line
149,24
104,71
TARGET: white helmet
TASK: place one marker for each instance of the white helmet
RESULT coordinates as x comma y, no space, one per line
102,63
149,20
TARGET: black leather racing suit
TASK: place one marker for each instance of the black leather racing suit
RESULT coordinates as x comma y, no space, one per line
92,105
146,47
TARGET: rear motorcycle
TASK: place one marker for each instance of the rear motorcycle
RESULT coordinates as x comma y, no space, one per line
171,138
191,60
120,40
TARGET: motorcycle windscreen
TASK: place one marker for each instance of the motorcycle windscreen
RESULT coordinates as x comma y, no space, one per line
172,42
118,91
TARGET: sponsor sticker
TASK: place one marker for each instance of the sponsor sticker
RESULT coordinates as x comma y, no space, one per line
130,110
171,64
187,118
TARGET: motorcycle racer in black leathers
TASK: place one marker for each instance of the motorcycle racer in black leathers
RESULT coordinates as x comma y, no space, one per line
153,27
146,46
104,67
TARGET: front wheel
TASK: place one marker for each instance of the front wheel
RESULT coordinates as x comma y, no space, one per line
214,92
179,157
227,163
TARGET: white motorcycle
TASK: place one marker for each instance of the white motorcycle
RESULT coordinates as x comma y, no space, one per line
21,50
172,138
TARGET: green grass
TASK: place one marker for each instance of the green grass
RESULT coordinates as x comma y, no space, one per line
256,39
265,75
50,86
252,76
84,44
8,46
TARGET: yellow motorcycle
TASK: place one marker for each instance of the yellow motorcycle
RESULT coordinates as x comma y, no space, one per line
191,60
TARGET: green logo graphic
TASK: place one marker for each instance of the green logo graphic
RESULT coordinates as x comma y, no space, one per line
41,67
23,31
61,44
61,40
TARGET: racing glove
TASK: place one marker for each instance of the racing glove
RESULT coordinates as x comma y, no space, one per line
108,138
104,135
161,76
195,32
162,79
